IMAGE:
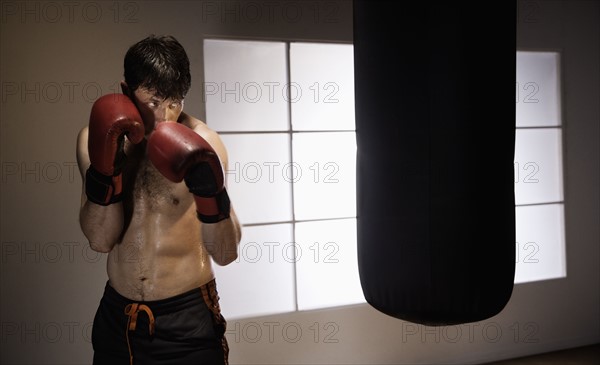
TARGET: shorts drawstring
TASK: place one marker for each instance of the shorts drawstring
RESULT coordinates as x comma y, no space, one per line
132,311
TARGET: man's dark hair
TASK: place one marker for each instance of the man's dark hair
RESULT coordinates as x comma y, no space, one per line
159,64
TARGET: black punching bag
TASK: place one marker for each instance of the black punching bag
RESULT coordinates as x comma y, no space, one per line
435,124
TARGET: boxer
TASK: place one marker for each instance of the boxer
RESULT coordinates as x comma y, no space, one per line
155,199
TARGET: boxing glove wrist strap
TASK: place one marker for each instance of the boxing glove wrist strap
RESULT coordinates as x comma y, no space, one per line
102,189
213,209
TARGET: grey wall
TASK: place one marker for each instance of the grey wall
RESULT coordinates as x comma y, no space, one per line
57,57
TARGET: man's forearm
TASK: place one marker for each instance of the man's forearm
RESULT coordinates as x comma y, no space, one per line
221,239
102,225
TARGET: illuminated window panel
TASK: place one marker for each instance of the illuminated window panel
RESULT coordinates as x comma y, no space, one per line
538,89
540,253
260,281
325,181
323,75
327,267
257,176
538,166
245,85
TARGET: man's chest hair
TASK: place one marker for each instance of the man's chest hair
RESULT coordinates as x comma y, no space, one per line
146,188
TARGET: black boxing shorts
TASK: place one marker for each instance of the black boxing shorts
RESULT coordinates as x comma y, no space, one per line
185,329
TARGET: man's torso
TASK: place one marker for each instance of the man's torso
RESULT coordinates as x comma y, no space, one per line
161,252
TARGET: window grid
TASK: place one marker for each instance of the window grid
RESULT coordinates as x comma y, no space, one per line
541,128
292,220
538,92
288,75
290,132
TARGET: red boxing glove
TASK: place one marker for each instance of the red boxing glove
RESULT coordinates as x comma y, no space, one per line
113,116
179,154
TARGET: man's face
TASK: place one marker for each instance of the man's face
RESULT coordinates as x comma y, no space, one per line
154,109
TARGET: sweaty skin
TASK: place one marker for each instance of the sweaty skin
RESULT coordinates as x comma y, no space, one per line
157,246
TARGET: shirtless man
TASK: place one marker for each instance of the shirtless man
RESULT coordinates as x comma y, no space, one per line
154,199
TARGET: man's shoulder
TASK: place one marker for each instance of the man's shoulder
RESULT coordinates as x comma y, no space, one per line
210,135
83,132
197,125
